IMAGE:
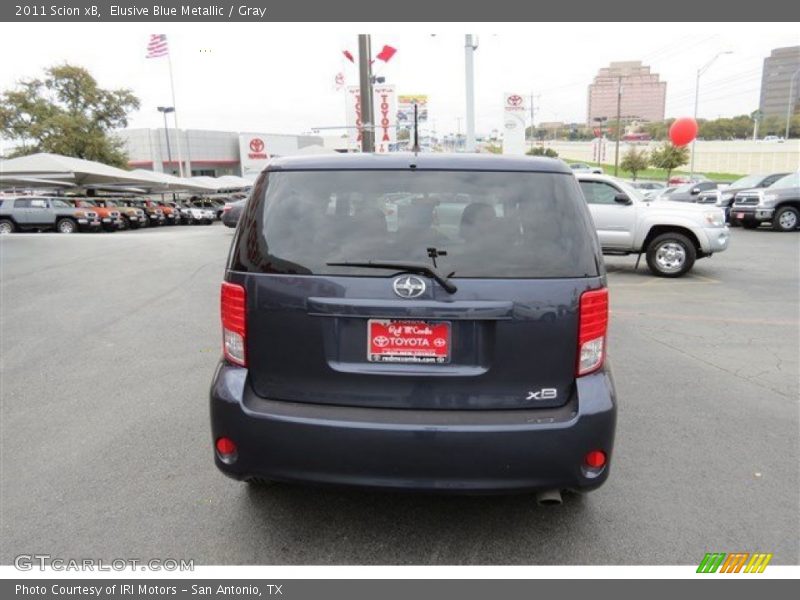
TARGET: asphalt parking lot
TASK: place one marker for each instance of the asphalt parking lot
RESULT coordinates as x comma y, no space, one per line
108,344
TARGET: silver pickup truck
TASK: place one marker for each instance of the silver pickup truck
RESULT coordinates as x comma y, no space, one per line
672,235
38,213
779,204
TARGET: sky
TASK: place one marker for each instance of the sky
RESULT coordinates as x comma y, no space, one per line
279,78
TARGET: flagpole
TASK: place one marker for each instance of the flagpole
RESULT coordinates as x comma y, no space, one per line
175,115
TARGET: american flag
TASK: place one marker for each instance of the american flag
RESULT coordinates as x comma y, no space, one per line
157,46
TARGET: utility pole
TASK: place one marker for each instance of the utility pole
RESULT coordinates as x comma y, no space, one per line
619,119
164,110
532,140
469,68
365,91
700,71
756,119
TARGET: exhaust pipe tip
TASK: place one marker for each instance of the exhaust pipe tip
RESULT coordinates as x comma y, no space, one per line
549,498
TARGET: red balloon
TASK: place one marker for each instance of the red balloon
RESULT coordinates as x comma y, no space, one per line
683,131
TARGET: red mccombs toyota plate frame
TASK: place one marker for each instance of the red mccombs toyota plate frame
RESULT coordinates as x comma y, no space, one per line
408,341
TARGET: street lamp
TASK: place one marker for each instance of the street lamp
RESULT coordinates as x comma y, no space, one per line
790,104
165,110
700,71
470,45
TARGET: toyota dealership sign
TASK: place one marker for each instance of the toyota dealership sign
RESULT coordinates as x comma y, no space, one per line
515,110
253,154
385,102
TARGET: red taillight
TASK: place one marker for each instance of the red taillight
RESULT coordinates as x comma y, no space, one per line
233,307
226,450
595,459
226,208
592,327
226,446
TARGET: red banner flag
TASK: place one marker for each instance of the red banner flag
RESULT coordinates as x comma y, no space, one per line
386,53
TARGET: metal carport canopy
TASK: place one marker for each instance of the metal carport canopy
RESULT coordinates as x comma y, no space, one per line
89,173
66,168
167,182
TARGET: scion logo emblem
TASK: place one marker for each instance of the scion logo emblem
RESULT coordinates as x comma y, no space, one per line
409,286
256,144
515,100
543,394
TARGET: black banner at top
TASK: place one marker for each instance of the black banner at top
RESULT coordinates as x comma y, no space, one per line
400,11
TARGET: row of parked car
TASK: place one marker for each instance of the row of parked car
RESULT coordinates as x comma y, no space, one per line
748,202
68,214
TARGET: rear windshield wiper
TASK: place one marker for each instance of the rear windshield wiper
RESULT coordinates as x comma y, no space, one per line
408,267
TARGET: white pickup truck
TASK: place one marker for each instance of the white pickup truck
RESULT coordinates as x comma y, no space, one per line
672,235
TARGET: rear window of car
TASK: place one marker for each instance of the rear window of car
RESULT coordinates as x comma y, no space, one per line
482,224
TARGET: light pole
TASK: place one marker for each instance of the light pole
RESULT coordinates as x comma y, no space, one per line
790,104
469,49
164,110
533,98
365,91
619,124
700,71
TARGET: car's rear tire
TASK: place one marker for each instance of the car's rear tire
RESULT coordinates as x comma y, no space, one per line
787,218
671,255
66,226
7,226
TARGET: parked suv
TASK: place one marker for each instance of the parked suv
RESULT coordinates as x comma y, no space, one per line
724,197
690,192
232,212
778,204
131,217
172,215
422,358
209,204
153,215
191,214
37,213
110,218
672,235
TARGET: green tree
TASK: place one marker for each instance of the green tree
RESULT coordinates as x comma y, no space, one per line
669,157
66,112
658,130
541,151
635,160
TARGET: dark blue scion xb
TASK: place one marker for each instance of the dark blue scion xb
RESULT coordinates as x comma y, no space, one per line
415,321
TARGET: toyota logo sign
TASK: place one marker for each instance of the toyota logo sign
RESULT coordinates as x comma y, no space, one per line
409,286
257,145
515,100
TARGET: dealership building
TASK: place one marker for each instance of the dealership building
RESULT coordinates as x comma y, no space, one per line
216,153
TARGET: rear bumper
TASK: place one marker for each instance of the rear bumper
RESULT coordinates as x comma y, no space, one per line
457,451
